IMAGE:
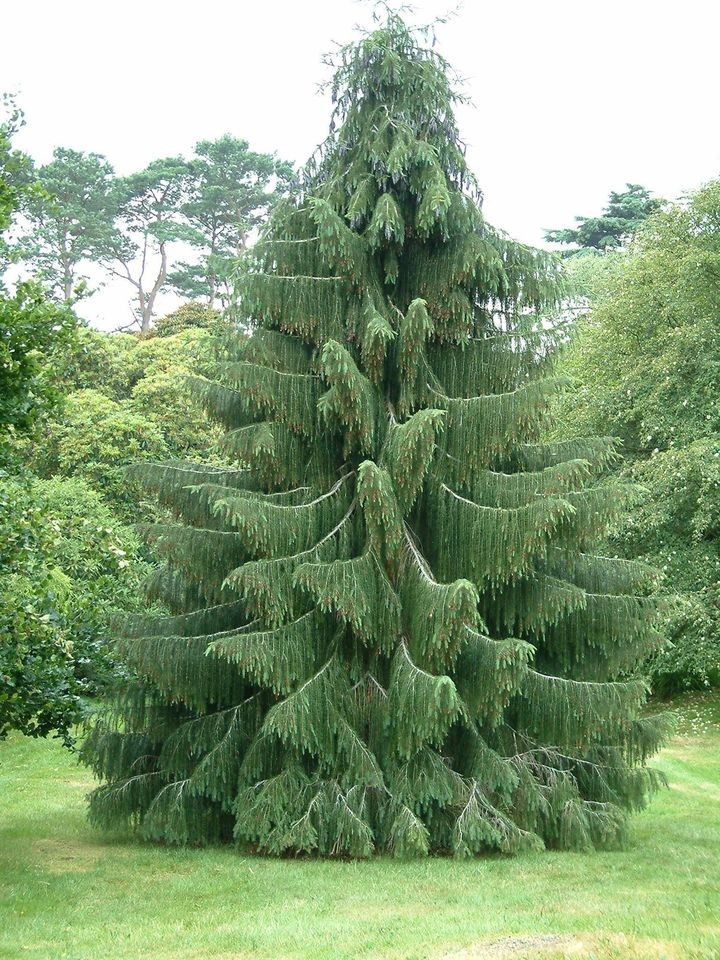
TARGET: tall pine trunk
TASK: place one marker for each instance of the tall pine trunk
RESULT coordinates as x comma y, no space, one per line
388,629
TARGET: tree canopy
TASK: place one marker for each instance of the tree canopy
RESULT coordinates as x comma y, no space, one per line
620,219
71,220
15,166
230,192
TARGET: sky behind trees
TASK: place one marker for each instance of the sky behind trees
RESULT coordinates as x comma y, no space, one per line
570,100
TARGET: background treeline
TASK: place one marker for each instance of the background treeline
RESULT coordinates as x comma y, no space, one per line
176,226
642,351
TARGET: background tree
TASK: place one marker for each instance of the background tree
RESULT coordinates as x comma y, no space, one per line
231,190
159,369
389,630
148,220
646,362
620,219
99,361
70,220
68,559
32,332
16,180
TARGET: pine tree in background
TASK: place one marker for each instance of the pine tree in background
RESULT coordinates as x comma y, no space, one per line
389,632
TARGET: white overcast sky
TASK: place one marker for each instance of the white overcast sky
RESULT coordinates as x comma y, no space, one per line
571,98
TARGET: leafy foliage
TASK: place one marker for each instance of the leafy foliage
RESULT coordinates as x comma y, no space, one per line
96,438
96,564
191,314
389,629
124,401
33,335
646,362
38,689
67,569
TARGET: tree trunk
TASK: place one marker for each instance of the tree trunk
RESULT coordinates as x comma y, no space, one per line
67,274
147,301
213,291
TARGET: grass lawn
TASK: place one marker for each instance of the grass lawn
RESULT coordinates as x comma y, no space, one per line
68,891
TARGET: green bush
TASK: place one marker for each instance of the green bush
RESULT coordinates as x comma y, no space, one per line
68,569
192,314
97,565
98,361
95,438
39,690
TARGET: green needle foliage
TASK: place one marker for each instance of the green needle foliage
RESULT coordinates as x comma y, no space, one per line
389,631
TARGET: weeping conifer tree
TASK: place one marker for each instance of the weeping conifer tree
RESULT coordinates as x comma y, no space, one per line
389,630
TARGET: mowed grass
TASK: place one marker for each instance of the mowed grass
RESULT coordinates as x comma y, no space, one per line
69,891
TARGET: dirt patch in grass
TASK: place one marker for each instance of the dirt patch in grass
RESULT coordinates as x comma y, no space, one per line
568,947
512,947
58,856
